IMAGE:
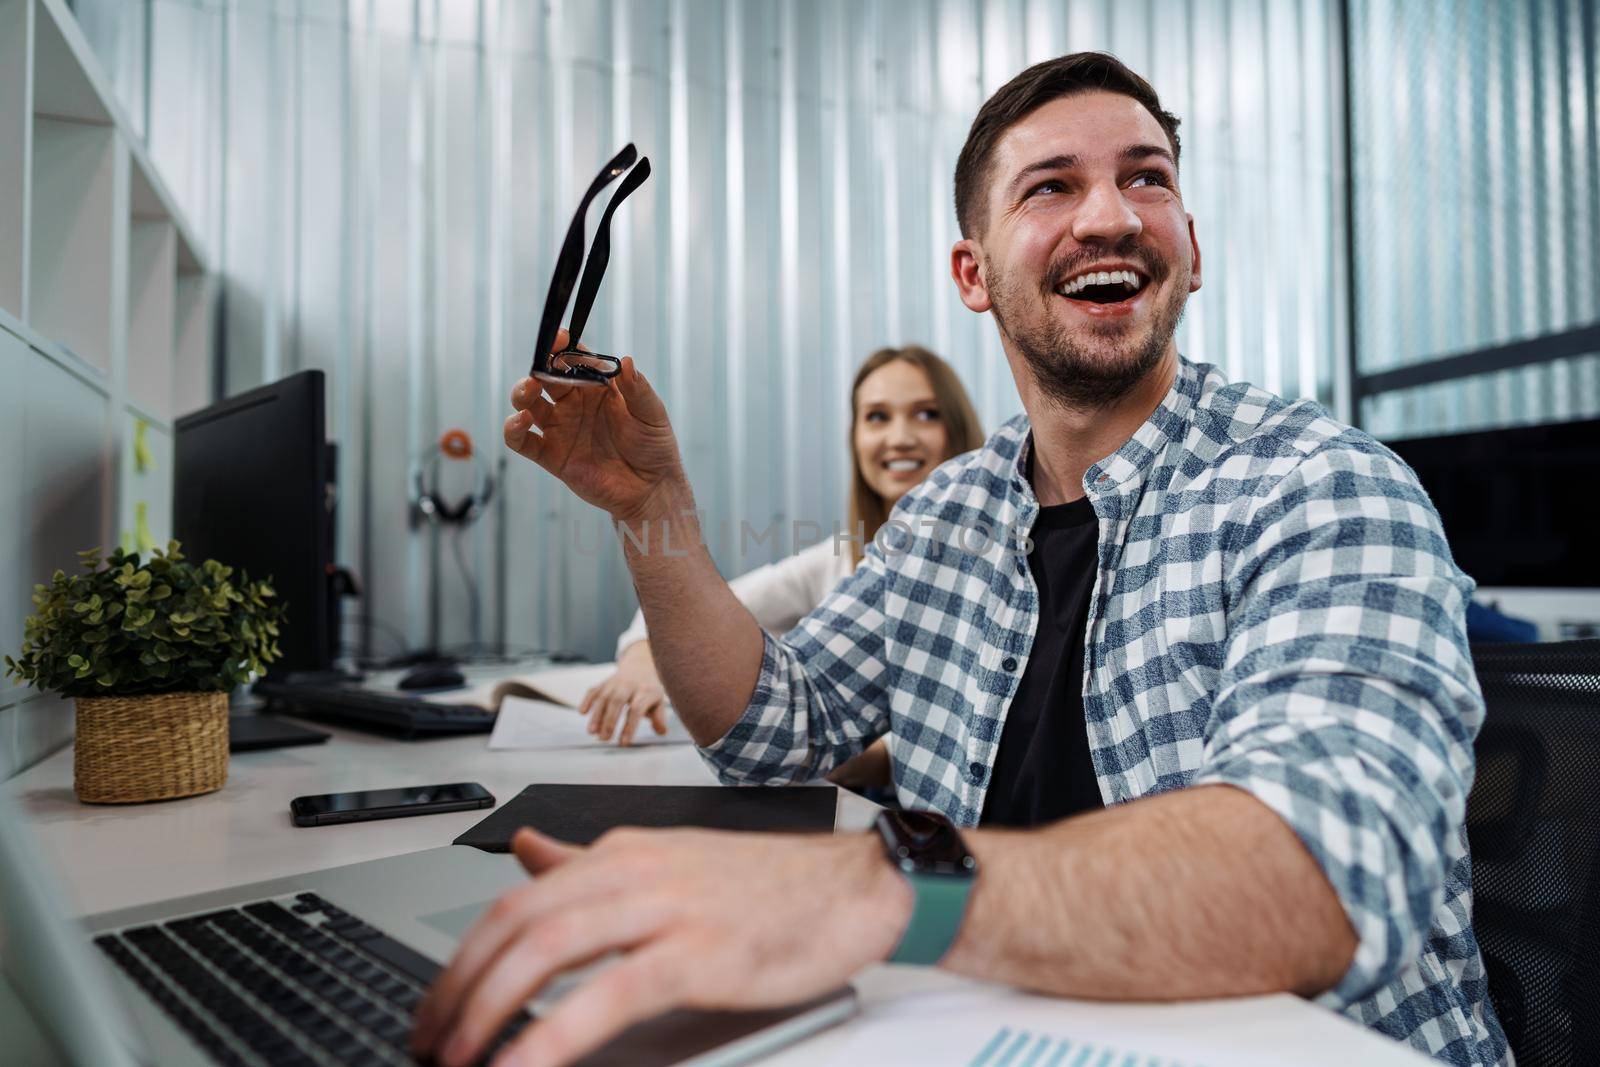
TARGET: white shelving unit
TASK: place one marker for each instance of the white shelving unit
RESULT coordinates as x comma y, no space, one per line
105,330
16,113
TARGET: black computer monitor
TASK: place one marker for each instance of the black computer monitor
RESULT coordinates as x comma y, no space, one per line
253,487
1520,506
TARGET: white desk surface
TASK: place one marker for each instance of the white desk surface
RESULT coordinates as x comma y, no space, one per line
121,856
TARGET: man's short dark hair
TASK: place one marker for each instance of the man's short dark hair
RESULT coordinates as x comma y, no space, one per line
1041,83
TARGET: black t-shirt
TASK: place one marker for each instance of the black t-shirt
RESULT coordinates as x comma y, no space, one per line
1042,770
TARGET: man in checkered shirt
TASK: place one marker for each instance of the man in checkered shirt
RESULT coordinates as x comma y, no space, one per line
1220,630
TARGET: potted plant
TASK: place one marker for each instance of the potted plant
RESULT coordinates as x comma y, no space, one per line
148,651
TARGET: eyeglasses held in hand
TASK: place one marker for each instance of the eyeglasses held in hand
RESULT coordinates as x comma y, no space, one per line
571,366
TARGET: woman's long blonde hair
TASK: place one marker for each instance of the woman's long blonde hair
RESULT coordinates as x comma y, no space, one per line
868,510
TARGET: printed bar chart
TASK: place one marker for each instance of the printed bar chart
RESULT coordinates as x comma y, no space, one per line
1020,1048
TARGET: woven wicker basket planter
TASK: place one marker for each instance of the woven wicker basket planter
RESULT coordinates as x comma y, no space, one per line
133,749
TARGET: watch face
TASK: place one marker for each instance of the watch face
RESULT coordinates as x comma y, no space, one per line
928,842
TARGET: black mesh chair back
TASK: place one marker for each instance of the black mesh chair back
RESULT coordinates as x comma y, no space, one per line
1533,822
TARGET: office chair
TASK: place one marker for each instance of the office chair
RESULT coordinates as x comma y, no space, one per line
1533,822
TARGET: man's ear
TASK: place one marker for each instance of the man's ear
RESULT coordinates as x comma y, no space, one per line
966,267
1194,244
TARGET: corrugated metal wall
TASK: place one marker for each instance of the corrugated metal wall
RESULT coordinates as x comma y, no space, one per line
398,174
1477,202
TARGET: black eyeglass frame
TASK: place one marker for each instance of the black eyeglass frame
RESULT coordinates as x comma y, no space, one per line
572,365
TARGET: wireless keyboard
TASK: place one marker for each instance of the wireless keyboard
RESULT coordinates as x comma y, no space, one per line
386,713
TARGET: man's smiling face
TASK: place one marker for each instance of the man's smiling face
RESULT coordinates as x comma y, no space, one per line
1086,257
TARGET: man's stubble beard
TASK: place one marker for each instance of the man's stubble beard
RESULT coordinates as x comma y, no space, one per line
1079,375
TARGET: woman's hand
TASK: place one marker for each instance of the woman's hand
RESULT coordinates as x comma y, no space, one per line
612,444
631,694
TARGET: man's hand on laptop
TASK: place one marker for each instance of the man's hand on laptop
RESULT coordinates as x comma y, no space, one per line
612,445
702,920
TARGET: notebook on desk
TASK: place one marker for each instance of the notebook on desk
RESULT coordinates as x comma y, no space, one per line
578,814
564,685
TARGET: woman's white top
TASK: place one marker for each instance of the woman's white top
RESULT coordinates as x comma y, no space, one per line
779,594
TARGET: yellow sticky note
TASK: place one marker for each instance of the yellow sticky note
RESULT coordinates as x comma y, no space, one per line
142,458
142,537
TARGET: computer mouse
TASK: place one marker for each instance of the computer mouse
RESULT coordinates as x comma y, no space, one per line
432,676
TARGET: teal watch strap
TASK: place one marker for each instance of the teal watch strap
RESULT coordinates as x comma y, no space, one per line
941,903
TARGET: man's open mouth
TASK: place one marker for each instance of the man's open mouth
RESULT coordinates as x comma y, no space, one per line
1103,286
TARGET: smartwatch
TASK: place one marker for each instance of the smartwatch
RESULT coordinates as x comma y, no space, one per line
926,848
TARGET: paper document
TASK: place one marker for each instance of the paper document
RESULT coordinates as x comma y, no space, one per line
993,1046
567,685
996,1027
1007,1046
526,723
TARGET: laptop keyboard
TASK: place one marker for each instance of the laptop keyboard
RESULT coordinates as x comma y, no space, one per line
293,981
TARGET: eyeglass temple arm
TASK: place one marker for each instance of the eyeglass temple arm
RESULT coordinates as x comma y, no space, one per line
556,302
600,253
572,254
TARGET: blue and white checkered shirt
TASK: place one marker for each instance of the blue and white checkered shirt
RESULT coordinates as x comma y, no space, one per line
1275,608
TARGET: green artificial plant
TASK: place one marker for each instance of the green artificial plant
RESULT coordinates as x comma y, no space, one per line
131,628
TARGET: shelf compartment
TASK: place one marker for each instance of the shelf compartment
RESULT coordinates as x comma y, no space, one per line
66,477
191,359
16,114
70,240
149,198
152,276
63,87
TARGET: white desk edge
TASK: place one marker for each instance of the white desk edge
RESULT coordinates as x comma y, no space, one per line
113,857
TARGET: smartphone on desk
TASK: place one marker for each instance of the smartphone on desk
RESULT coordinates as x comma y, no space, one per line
330,808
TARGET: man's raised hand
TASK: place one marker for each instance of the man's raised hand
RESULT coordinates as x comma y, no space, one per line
612,445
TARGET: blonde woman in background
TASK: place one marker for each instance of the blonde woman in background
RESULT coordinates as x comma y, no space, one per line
910,413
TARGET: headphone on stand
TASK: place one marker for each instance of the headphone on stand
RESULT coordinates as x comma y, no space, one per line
453,445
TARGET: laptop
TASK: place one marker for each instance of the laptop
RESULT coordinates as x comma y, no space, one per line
316,969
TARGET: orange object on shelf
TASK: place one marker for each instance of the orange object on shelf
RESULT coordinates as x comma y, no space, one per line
456,444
